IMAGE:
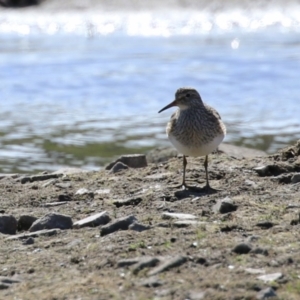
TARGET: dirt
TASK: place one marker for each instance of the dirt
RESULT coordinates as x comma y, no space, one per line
190,259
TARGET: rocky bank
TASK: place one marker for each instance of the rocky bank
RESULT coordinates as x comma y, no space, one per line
128,232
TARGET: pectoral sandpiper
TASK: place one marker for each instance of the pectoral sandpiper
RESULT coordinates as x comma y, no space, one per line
195,129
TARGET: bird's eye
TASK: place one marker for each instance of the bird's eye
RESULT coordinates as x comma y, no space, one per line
188,95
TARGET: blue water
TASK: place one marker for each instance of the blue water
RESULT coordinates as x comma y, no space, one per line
80,87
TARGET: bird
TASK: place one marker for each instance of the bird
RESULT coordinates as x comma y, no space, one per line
195,129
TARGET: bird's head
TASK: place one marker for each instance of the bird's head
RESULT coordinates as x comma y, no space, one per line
185,98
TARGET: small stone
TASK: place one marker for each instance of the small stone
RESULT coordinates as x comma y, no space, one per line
168,215
261,251
126,202
196,295
168,264
265,224
138,227
224,206
145,262
63,185
25,221
119,224
255,271
127,262
93,221
270,277
151,282
117,167
101,192
262,171
45,232
84,191
8,224
131,160
51,204
186,223
266,293
29,241
242,248
64,198
51,221
295,178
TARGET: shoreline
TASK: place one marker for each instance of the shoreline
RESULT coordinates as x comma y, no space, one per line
132,234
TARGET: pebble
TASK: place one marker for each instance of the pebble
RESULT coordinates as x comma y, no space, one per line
119,224
131,160
8,224
51,221
145,262
6,282
25,221
128,262
261,251
51,204
168,264
43,177
45,232
151,282
266,293
101,218
224,206
270,277
63,185
117,167
265,224
255,271
242,248
28,241
295,178
182,216
262,171
138,227
196,295
126,202
84,191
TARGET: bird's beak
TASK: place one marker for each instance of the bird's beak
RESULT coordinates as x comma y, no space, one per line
168,106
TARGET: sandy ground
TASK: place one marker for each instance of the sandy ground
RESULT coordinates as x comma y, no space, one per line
233,252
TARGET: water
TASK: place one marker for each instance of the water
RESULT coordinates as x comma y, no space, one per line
78,89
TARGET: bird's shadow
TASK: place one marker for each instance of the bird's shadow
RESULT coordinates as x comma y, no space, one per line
187,191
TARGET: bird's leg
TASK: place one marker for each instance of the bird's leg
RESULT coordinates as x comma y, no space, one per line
207,186
184,167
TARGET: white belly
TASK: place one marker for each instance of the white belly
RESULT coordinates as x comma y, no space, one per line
202,150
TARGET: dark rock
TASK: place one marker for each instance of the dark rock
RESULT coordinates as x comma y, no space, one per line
131,160
261,251
45,232
242,248
119,224
6,282
93,221
127,262
126,202
25,221
117,167
145,262
34,178
8,224
295,178
18,3
51,221
224,206
266,294
168,264
138,227
265,224
276,169
29,241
